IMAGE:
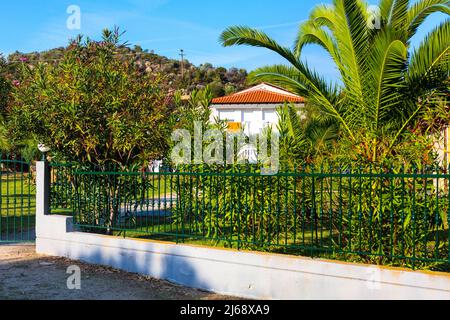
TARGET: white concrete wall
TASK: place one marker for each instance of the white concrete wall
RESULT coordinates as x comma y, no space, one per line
245,274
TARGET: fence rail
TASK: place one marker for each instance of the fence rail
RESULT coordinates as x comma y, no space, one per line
395,217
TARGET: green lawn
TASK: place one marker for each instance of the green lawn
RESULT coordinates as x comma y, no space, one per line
17,206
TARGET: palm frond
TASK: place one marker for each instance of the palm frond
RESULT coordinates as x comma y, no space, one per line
429,63
316,28
323,15
386,10
399,14
312,33
387,63
292,80
422,10
350,31
241,35
321,133
293,140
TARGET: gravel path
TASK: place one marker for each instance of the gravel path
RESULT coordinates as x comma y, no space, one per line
26,275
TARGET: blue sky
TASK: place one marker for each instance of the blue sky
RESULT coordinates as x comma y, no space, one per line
166,26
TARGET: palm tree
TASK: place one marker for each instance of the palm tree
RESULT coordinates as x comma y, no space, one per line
383,83
305,136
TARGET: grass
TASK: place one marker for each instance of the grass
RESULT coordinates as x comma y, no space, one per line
17,206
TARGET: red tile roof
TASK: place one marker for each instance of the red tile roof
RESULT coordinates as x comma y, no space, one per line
261,94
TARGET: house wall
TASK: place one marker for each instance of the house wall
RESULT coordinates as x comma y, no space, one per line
253,117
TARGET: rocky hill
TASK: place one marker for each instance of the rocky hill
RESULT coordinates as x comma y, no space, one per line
184,76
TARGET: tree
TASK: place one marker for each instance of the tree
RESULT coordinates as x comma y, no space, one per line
5,144
4,86
97,108
94,106
217,88
383,85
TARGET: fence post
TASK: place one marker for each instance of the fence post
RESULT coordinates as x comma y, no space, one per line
42,189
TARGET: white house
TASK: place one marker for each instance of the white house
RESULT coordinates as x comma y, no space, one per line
254,108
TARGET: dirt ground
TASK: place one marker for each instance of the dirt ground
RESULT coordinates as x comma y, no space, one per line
26,275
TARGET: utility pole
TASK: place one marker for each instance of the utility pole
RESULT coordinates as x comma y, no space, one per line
182,54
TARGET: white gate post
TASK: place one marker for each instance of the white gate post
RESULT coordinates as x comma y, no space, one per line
42,196
42,188
48,226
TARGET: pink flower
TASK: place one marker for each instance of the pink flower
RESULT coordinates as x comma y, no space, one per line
23,59
16,83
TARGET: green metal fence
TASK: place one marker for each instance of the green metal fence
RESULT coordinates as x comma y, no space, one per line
17,200
395,217
61,188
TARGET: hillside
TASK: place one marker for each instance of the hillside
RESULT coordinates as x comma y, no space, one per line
222,81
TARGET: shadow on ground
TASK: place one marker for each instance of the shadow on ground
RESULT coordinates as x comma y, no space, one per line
26,275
